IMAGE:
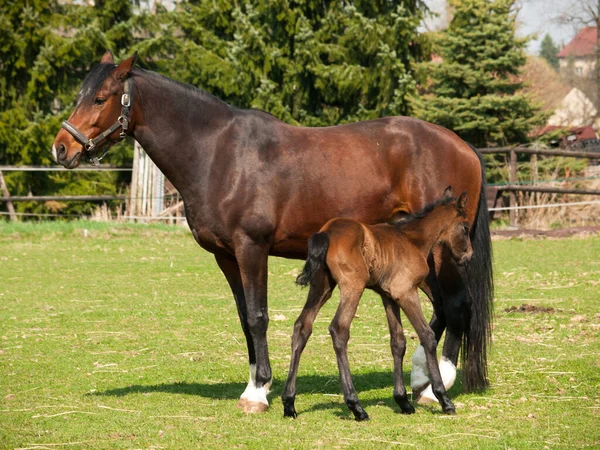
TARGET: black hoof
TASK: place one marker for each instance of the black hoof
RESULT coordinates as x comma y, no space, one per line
290,413
407,408
450,411
361,416
289,409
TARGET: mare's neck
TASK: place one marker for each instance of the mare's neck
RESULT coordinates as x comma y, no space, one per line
424,233
176,125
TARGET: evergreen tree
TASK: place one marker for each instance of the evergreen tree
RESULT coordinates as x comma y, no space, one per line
549,50
473,91
310,62
46,48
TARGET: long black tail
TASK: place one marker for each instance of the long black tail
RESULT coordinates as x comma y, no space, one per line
480,290
318,244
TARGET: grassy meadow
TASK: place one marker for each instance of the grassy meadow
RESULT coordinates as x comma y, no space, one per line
127,336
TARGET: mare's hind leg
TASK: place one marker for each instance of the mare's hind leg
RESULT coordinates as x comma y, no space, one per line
412,308
398,346
340,334
320,291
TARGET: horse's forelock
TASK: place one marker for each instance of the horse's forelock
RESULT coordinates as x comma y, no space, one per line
93,81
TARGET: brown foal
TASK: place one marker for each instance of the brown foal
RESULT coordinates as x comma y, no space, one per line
390,259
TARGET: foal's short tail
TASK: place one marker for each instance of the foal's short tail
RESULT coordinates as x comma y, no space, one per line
318,245
480,291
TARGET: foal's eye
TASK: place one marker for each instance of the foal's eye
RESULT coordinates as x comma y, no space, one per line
99,101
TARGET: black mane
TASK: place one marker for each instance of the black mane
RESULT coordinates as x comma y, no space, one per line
445,200
93,81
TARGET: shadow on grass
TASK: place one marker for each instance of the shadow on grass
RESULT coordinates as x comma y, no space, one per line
306,384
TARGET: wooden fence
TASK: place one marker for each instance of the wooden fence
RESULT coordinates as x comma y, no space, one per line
147,197
512,187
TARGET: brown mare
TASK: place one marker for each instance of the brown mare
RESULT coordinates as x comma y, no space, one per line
254,186
390,259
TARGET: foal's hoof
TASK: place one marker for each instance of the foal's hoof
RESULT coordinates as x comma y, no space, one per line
361,416
407,408
450,410
251,407
289,411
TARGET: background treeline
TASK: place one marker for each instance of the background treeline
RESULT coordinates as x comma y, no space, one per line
307,62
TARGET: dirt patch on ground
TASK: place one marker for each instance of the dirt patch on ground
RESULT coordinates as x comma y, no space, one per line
526,308
557,233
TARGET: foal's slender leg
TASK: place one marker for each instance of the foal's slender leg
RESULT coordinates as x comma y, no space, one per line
419,378
398,346
412,308
320,291
340,334
252,260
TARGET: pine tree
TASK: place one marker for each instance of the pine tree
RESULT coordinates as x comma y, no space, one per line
310,62
46,48
474,91
549,50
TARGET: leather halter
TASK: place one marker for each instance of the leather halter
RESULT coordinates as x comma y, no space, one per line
91,145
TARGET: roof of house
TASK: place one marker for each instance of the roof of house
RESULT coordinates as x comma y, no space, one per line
583,44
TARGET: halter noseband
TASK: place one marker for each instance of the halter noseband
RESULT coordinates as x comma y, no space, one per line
90,145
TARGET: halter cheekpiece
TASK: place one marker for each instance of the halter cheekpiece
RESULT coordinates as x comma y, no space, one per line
91,145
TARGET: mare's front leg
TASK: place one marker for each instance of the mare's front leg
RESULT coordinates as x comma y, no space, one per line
252,260
412,308
340,334
398,346
231,270
320,291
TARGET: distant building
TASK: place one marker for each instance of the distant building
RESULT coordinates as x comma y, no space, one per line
578,57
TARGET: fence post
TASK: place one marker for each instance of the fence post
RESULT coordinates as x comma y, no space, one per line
5,193
512,178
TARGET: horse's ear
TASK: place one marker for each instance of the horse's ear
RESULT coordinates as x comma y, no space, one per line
107,58
462,200
447,192
123,70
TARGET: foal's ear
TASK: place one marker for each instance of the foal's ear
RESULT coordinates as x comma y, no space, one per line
123,70
107,58
462,200
447,192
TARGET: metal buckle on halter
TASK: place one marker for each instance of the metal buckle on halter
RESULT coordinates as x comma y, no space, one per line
125,100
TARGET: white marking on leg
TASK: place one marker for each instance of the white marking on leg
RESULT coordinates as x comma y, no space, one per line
448,373
419,375
254,394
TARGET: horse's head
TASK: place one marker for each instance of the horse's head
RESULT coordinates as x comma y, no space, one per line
456,235
101,116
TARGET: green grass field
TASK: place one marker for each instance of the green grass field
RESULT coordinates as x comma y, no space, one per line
129,338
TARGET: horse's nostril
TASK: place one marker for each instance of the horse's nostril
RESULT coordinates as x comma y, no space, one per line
61,151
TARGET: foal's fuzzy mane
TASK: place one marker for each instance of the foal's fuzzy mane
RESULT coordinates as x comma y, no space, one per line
424,211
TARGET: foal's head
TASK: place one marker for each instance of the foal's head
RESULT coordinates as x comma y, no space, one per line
99,107
455,235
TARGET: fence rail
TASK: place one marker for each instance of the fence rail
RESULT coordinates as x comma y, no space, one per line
592,153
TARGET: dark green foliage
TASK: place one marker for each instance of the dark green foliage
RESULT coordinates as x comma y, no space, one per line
46,48
474,91
310,62
549,50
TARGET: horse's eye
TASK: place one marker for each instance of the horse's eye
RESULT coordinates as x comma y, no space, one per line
466,229
99,101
